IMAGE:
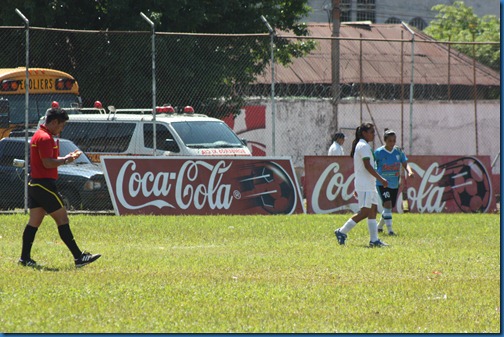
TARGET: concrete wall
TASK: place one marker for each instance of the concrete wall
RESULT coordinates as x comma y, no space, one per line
438,128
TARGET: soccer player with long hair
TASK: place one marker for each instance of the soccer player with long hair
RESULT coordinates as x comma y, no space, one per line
365,186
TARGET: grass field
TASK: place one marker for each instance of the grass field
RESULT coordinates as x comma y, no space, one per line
254,274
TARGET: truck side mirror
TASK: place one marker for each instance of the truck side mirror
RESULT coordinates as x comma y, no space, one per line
18,163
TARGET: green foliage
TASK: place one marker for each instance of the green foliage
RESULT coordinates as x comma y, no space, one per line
458,23
197,70
271,274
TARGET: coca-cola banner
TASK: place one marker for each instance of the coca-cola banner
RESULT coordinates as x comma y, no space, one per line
441,184
195,185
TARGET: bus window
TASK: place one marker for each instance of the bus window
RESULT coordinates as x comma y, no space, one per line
38,105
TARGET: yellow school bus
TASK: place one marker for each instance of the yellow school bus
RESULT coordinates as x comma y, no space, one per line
44,87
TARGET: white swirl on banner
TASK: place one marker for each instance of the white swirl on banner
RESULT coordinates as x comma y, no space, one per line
428,197
336,185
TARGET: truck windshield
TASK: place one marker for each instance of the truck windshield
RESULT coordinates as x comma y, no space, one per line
206,134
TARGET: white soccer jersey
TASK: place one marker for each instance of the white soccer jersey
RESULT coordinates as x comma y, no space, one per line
364,181
335,150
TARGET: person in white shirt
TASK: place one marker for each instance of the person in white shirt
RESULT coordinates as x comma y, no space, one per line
365,186
336,148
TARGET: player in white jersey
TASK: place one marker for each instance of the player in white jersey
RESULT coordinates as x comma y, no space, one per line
336,148
365,186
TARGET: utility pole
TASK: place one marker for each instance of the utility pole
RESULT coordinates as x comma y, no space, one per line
335,63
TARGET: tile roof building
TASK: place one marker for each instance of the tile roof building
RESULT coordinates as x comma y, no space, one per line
378,58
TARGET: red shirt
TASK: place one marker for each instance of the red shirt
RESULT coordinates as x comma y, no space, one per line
43,145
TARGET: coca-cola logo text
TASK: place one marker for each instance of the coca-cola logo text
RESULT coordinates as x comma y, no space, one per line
214,194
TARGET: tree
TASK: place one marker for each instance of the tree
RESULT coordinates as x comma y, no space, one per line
196,70
458,23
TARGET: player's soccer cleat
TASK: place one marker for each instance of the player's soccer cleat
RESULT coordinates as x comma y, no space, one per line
28,263
392,233
380,230
340,236
86,258
377,243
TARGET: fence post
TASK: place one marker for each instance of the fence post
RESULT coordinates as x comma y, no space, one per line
475,94
361,85
412,87
412,84
335,64
27,86
449,68
402,89
154,136
273,107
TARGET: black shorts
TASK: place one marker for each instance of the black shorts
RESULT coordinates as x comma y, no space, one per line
44,193
388,194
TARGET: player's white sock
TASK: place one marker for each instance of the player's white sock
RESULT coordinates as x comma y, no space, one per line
389,224
347,227
373,229
387,216
381,223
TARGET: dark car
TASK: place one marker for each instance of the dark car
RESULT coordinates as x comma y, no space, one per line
81,183
21,132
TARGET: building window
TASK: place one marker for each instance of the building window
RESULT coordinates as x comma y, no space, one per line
393,20
418,23
346,10
366,10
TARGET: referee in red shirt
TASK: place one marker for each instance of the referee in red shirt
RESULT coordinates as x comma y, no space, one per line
43,196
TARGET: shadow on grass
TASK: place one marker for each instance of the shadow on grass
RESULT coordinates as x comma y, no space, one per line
51,269
41,268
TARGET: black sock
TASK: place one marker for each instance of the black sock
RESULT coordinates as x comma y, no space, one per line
28,238
68,238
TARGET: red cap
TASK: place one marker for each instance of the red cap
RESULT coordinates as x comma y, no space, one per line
55,105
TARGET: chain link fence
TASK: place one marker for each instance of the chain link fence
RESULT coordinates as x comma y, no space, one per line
446,105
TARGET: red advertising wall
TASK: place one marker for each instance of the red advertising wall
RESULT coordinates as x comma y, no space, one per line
252,117
441,184
195,185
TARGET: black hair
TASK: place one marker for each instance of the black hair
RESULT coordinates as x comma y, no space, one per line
338,135
358,135
56,114
388,133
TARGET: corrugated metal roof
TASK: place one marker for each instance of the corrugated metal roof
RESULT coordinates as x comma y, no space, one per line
381,60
